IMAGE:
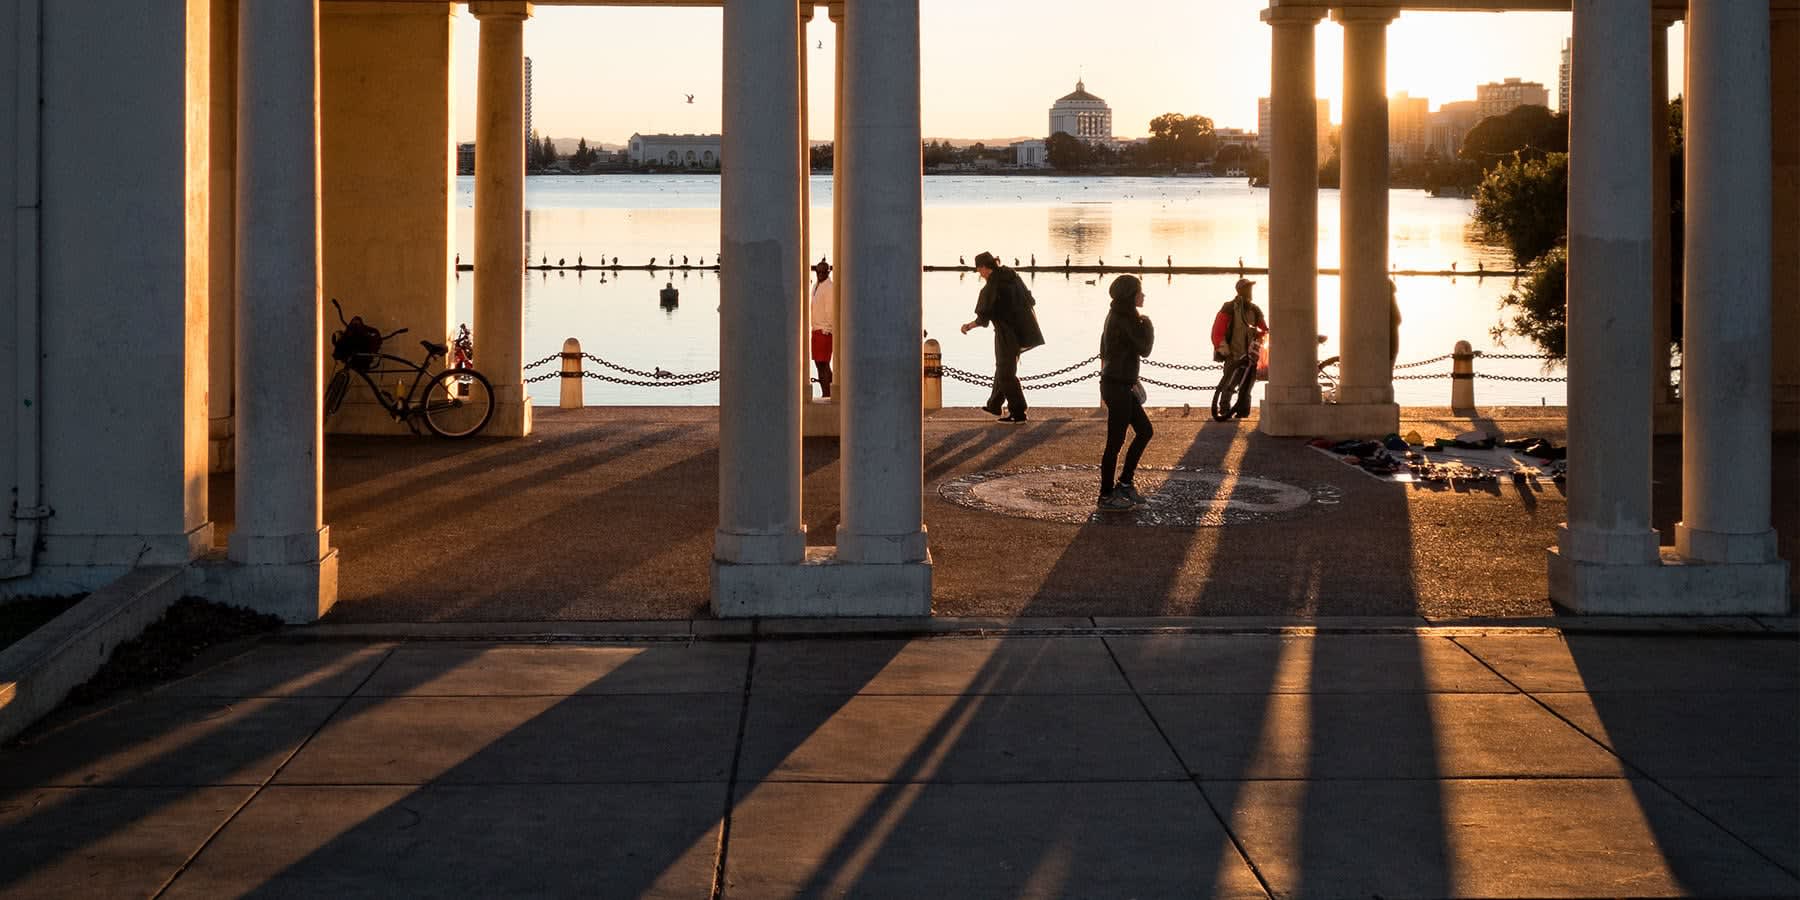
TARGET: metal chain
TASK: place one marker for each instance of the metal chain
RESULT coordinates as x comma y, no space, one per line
689,381
678,376
1539,379
1424,362
533,365
1176,387
1513,355
1062,371
1209,367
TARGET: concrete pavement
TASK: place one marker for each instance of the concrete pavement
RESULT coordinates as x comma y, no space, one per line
1095,763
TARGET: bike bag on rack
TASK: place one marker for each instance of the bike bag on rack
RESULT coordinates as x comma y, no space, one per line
357,345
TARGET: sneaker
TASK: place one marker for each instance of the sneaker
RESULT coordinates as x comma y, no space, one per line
1114,502
1014,419
1130,492
991,410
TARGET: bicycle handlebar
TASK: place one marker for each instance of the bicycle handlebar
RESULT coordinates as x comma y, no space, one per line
395,334
340,312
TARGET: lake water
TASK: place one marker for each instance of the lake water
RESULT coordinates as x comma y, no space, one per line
1197,222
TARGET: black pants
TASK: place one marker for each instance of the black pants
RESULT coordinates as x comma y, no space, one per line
824,377
1242,406
1006,381
1122,409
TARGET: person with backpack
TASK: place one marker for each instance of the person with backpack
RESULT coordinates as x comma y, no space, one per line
1237,321
1125,338
1006,304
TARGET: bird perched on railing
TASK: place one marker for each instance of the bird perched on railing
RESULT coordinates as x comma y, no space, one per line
663,373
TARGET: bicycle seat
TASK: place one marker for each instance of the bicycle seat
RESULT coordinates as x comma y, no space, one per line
434,349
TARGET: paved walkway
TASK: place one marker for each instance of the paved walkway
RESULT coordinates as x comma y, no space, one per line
608,514
1443,763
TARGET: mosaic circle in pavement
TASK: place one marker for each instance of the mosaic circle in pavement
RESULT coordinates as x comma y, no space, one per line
1178,496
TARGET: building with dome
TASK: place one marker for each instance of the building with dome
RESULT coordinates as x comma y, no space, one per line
1083,115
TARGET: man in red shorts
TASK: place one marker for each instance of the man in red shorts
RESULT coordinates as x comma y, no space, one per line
824,318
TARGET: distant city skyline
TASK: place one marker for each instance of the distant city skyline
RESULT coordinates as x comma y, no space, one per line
605,72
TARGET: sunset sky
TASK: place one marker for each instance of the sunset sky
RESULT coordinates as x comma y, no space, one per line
993,67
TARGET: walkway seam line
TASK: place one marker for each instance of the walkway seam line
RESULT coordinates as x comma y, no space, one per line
273,774
737,756
1236,843
1626,763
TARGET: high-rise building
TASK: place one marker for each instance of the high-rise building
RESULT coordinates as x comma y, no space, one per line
1409,123
528,129
1497,98
1563,72
1265,127
1450,125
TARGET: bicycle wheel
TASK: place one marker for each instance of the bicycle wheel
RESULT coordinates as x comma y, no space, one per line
457,404
1224,394
335,391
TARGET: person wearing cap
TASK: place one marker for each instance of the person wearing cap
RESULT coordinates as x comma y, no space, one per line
824,321
1006,304
1125,338
1237,320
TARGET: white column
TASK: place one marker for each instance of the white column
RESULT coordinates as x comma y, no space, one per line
1662,267
1725,481
280,538
1608,281
804,359
881,463
1784,61
1292,393
499,327
1367,379
762,291
839,186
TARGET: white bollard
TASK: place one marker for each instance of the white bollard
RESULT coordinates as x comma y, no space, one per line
572,380
933,376
1462,379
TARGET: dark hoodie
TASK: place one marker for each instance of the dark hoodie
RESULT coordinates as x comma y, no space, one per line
1126,338
1007,304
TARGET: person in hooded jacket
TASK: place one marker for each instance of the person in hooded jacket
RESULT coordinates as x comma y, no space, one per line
1126,338
1005,304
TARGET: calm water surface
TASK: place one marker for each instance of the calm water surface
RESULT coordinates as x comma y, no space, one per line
1200,222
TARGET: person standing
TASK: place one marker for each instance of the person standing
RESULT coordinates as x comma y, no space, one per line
824,323
1125,338
1232,331
1394,322
1005,304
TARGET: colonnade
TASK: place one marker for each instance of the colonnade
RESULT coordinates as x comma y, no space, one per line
1740,164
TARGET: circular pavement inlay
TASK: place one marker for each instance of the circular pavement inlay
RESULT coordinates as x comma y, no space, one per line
1180,496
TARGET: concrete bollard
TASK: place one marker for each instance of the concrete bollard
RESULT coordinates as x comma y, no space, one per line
1462,379
932,375
572,381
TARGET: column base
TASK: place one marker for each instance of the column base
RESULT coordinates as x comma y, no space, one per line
512,412
1666,417
1724,547
822,417
883,549
1330,420
221,445
822,585
732,548
1670,586
298,593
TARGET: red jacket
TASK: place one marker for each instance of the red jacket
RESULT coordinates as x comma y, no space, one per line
1221,329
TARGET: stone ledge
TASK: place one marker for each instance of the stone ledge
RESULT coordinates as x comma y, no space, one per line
1675,587
39,671
821,586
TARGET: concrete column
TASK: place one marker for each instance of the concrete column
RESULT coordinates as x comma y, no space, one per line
804,358
1367,379
288,565
762,293
386,217
1662,389
221,252
1725,496
1784,62
884,221
1291,397
838,184
500,211
1608,527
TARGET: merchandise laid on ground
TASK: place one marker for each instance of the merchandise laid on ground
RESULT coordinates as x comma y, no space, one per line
1471,458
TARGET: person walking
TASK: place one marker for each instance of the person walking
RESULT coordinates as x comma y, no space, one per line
1125,338
1005,304
1237,320
824,321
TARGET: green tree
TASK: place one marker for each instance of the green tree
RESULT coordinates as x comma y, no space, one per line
1523,204
1067,152
1527,132
547,155
1178,140
1539,306
820,158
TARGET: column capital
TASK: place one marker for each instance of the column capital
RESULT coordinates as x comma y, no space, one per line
1663,18
1294,15
808,9
835,11
501,9
1364,15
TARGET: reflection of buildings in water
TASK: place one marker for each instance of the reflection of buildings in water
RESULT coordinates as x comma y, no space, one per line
1080,231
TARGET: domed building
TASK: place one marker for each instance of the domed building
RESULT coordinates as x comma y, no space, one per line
1083,115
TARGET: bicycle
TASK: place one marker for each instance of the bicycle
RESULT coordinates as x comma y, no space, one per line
455,403
1242,379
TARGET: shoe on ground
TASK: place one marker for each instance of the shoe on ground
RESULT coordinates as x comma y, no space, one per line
1130,492
1014,419
1114,502
991,410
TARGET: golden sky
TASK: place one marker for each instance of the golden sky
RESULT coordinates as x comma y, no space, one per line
993,67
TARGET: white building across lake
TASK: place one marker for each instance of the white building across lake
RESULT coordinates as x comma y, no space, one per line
688,151
1083,115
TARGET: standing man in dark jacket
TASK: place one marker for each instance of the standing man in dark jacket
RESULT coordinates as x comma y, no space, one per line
1005,304
1125,339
